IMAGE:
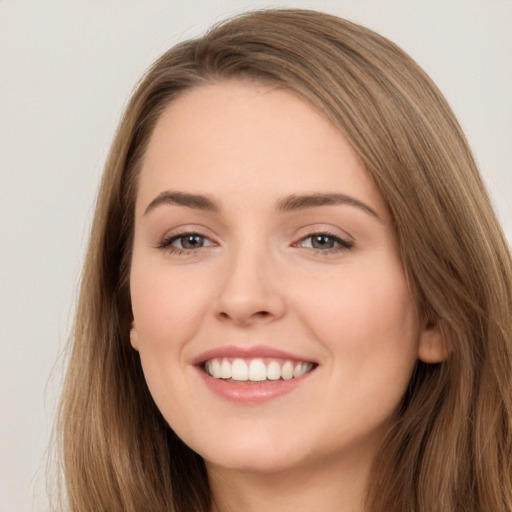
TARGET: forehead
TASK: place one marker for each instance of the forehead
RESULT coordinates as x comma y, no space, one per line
248,137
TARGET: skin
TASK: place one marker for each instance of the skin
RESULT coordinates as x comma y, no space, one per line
257,280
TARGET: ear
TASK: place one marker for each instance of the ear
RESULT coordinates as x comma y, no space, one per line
134,336
433,348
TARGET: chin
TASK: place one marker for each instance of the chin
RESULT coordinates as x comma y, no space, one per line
254,452
251,461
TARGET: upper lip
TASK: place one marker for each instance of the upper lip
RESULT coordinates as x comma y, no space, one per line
252,352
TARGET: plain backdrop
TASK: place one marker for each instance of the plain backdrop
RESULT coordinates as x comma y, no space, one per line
66,71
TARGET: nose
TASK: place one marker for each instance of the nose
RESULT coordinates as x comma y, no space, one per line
250,290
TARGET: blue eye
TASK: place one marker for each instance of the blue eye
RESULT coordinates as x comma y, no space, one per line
185,242
325,242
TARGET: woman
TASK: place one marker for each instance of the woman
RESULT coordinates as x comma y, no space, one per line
296,292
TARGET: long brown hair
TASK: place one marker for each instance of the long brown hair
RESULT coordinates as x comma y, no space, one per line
450,448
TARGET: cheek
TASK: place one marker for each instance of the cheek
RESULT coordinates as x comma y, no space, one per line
367,320
167,307
168,312
370,328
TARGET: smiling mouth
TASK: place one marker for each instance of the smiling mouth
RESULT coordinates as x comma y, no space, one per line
256,370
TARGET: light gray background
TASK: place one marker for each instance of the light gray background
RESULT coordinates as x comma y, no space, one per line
66,71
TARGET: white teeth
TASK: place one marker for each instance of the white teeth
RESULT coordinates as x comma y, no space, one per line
255,370
225,369
216,368
287,370
301,369
239,370
273,371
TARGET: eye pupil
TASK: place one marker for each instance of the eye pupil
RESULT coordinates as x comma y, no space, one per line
192,241
322,242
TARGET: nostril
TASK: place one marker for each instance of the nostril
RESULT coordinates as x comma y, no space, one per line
244,318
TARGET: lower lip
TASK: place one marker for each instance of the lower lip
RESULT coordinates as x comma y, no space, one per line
251,392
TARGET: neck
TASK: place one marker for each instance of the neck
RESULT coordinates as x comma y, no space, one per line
332,486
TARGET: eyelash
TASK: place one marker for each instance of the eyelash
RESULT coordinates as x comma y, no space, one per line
167,242
342,245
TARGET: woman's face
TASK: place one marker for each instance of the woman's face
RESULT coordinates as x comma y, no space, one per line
263,251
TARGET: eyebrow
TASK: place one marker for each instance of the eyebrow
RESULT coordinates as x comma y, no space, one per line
290,203
305,202
195,201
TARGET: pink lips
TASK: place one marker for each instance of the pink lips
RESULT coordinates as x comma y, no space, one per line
248,392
